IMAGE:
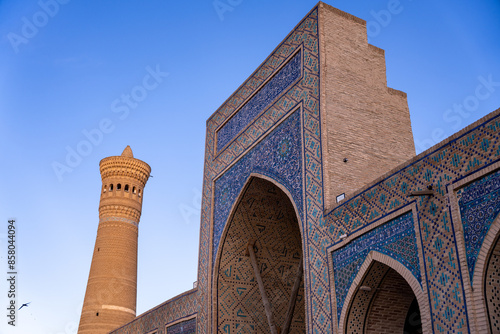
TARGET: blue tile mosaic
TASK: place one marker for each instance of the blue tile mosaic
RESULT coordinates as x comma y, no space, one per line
182,306
395,239
479,206
184,327
263,98
455,159
304,91
459,157
449,162
278,156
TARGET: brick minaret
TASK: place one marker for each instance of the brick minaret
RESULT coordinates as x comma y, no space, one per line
110,299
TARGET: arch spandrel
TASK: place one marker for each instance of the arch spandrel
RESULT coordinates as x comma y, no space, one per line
371,274
279,157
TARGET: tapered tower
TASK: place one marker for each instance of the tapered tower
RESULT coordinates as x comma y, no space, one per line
110,299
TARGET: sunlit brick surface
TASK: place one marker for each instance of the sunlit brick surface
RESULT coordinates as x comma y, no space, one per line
110,299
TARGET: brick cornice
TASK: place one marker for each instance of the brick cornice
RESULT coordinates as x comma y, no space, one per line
119,166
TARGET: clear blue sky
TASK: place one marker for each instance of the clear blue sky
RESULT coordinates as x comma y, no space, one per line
69,74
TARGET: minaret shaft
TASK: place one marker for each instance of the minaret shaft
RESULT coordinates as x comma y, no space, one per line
110,298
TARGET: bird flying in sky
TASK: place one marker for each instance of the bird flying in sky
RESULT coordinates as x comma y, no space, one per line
26,304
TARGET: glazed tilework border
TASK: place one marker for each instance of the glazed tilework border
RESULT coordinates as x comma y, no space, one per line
183,327
179,307
280,82
479,204
304,92
259,127
461,155
395,238
440,166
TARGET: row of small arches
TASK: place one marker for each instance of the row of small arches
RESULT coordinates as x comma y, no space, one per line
119,187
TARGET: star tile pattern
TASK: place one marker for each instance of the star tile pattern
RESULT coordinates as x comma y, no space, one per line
278,157
434,238
396,239
461,156
280,138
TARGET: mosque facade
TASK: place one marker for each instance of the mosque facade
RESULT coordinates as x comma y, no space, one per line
318,217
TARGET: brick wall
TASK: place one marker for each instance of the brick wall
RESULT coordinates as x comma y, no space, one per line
111,294
362,119
390,305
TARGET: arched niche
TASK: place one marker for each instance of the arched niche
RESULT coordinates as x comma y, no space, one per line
265,215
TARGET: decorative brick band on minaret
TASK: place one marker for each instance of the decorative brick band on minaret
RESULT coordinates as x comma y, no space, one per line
110,299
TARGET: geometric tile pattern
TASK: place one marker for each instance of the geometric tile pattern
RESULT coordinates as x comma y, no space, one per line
395,238
176,308
479,206
184,327
454,160
265,136
279,157
293,158
266,215
273,88
459,157
304,92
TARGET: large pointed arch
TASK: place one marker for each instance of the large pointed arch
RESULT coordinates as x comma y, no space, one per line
376,257
265,212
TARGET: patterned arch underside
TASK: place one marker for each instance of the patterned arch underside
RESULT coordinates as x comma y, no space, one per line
384,308
264,214
492,288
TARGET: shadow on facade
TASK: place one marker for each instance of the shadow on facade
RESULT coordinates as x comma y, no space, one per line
492,288
264,214
384,303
